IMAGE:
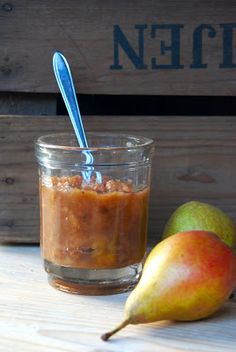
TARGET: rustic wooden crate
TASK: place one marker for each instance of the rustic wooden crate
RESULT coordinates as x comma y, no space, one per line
195,158
120,47
132,47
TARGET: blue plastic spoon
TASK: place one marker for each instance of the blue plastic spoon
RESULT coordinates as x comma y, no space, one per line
65,83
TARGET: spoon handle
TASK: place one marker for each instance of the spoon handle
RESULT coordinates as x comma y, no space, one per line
65,83
66,86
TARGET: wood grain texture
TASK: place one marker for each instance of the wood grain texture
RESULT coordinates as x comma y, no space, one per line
195,158
34,317
30,31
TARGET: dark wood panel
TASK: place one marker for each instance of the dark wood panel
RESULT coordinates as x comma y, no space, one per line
195,158
28,104
118,47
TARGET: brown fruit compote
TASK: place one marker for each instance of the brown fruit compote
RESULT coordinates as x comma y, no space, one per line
92,225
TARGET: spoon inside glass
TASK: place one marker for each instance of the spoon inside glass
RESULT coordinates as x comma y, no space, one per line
65,83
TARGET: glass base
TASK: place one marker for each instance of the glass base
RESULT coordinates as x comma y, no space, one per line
93,281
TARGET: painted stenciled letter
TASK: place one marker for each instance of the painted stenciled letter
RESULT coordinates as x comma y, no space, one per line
120,40
136,54
228,53
197,44
174,47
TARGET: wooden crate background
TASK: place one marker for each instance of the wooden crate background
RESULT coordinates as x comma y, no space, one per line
195,156
84,30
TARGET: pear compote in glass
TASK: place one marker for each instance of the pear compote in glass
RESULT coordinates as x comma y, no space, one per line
93,229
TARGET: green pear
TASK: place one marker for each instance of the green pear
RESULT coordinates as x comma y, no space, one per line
196,215
187,276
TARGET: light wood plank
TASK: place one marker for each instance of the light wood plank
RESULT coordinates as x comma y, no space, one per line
195,158
84,32
37,318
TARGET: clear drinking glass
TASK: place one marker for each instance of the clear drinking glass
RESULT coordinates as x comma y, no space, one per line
93,228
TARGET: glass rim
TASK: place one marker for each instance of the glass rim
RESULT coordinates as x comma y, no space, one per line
41,143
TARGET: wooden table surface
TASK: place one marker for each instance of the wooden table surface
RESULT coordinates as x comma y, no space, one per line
37,317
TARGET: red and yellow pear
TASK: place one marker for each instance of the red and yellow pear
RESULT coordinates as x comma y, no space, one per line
186,277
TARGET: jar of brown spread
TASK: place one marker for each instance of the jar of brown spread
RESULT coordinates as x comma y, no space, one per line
93,217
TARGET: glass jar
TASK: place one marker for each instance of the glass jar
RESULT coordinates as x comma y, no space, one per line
94,210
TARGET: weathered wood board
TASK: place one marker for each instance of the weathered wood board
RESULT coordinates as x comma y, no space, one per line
34,317
120,47
195,158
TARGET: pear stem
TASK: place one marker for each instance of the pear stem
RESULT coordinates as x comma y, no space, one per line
108,334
